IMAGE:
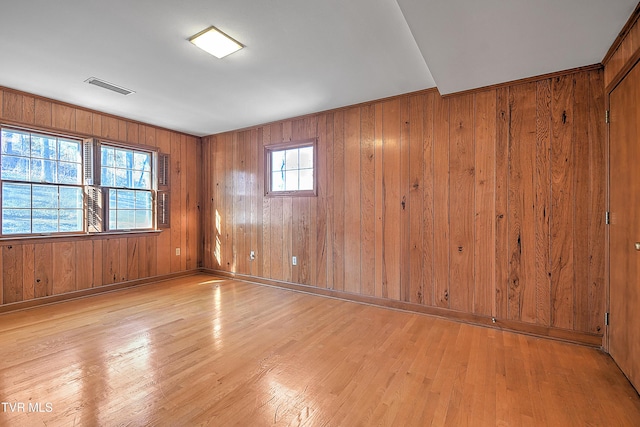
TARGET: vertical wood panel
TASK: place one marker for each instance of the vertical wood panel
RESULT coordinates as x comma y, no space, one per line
133,250
582,194
330,122
428,197
522,143
98,262
176,199
84,264
338,201
485,145
503,118
462,198
28,272
367,197
415,199
392,200
597,168
12,273
43,269
124,261
320,250
543,202
43,113
12,106
441,202
352,207
264,256
405,137
28,109
84,124
64,117
562,199
64,278
111,261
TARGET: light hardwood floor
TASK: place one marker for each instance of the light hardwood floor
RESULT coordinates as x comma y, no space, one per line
206,351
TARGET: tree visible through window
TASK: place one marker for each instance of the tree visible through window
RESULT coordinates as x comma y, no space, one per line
41,183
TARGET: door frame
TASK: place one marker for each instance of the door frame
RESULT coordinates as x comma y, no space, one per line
624,72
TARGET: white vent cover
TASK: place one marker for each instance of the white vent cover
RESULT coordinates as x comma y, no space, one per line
106,85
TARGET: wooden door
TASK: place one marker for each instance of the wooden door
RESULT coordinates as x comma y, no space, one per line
624,200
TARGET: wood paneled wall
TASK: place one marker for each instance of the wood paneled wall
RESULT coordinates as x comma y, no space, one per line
41,267
489,203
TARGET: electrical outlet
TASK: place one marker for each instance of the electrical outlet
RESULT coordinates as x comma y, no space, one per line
177,251
252,255
294,260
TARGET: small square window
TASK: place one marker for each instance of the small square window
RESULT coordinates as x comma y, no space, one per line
290,169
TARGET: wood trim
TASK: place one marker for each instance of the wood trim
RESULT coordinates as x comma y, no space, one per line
623,33
622,73
5,241
590,340
526,80
76,107
53,299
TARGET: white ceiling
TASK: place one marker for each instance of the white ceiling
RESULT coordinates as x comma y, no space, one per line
301,56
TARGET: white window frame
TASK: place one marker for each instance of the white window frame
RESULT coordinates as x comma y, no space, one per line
270,149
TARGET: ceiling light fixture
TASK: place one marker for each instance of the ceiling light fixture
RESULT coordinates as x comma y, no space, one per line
216,42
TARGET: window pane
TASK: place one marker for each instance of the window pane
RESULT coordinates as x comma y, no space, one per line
44,197
292,159
277,161
277,181
113,199
141,180
70,197
15,168
16,195
44,171
125,219
70,151
43,147
124,159
306,179
71,220
123,178
108,156
143,219
45,220
291,181
16,221
113,225
142,161
126,199
69,173
108,177
143,200
15,143
306,158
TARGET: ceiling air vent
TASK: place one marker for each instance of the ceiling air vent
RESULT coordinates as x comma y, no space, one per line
106,85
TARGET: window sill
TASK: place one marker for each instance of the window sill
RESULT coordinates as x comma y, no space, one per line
76,236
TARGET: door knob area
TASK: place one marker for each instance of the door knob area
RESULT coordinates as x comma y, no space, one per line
637,246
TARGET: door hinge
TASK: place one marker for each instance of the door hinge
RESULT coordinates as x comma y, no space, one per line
606,319
607,218
607,117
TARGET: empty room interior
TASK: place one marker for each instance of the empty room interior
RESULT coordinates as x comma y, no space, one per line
320,213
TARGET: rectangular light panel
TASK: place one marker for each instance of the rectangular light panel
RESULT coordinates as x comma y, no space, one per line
215,42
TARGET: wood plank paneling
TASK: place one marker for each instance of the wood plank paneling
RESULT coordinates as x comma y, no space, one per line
470,203
28,270
84,264
43,272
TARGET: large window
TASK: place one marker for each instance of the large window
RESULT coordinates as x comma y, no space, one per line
290,169
59,184
41,183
